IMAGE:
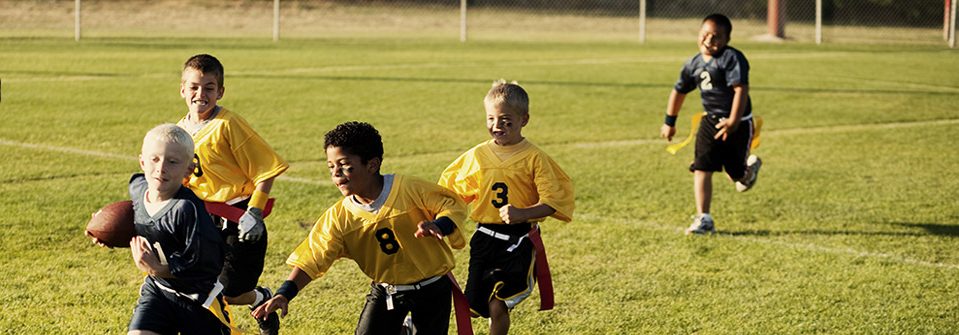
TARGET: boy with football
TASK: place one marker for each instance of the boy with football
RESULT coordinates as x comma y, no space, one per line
725,134
176,243
392,226
236,167
512,185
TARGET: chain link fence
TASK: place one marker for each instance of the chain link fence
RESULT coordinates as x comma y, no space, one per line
843,21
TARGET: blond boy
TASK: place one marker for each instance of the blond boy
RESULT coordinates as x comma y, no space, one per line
511,186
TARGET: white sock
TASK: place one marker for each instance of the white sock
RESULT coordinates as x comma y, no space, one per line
259,298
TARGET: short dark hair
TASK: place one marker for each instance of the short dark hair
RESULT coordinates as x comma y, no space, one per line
206,64
720,20
356,138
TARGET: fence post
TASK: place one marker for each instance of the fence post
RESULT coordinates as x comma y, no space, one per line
774,19
276,20
462,20
818,22
642,21
76,23
952,25
946,20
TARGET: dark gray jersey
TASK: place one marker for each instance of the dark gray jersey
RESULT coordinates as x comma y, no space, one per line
715,79
184,231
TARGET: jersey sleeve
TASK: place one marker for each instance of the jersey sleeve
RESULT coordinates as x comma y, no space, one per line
442,202
737,69
555,187
686,83
253,155
199,257
460,177
321,248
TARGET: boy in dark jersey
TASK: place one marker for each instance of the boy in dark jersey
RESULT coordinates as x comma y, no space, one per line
722,75
176,243
398,230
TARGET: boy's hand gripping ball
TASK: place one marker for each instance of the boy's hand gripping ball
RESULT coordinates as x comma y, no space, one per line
113,225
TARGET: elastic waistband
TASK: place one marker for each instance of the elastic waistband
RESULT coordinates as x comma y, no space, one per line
515,229
393,289
217,288
719,117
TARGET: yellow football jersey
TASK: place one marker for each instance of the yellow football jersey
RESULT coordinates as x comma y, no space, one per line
231,158
490,176
382,243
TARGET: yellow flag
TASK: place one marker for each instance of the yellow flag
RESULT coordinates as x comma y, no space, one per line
673,148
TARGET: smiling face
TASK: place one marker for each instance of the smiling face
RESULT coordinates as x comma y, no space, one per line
165,165
350,175
712,38
505,125
200,91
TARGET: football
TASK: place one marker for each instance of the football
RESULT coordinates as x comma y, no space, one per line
113,224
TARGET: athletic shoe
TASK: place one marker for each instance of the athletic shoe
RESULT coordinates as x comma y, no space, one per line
270,326
408,327
753,163
702,224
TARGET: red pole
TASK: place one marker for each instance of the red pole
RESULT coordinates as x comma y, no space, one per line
945,20
774,19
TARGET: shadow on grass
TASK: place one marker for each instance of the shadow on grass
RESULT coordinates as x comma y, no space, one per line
936,229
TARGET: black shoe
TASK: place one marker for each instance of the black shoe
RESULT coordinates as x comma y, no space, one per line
270,326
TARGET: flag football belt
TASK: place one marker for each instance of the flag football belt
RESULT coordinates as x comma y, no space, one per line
217,287
541,269
757,127
394,289
504,237
234,214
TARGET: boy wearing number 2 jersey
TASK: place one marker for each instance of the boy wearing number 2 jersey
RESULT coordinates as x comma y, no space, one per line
511,185
396,228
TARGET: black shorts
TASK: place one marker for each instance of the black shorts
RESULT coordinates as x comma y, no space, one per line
429,307
165,312
495,272
715,155
243,261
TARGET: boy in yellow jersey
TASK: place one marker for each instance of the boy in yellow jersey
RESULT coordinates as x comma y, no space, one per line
511,185
393,226
235,166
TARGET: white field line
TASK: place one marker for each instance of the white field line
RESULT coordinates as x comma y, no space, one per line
775,133
100,154
790,245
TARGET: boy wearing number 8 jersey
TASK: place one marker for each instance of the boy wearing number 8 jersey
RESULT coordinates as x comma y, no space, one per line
511,185
393,227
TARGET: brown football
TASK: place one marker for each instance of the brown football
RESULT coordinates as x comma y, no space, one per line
113,224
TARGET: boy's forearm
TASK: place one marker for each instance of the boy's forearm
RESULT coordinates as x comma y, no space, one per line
261,194
537,211
739,96
675,103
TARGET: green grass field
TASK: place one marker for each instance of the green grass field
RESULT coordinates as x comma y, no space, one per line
852,229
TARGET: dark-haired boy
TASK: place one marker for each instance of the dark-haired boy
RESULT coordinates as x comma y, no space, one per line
725,135
392,226
235,166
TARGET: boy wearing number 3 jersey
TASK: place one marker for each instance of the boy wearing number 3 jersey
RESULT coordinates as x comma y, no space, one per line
511,185
395,228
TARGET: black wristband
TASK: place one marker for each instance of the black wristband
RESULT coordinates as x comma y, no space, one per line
670,120
445,224
288,290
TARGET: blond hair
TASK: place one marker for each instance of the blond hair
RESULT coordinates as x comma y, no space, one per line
509,95
171,134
